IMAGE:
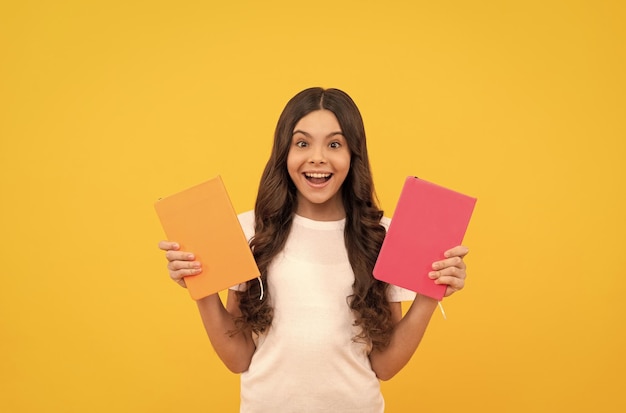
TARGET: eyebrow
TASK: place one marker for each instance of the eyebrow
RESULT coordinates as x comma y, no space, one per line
308,135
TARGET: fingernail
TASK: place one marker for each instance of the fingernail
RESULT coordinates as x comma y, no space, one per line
432,274
190,257
196,265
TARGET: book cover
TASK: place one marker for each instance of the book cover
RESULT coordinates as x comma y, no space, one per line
429,220
202,220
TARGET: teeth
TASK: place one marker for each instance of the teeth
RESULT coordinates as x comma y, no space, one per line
316,175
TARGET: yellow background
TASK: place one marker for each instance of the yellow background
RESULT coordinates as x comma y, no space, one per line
107,105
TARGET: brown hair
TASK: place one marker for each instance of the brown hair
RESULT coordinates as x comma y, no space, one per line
363,233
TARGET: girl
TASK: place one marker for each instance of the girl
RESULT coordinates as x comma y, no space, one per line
316,332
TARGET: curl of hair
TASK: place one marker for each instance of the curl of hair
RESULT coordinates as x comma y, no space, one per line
363,234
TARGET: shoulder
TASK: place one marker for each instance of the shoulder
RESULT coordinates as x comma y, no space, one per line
246,220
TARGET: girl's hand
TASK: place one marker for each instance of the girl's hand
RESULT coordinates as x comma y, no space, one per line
180,263
451,271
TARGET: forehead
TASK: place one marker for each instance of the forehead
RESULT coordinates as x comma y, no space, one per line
318,121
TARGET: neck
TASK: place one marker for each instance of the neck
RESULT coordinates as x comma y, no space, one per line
328,211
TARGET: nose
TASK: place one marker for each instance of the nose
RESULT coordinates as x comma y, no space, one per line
317,155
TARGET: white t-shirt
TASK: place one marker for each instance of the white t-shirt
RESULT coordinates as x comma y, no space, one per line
307,361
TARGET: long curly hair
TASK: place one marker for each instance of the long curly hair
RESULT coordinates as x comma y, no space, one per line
276,205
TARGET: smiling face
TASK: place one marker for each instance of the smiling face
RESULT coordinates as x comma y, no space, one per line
318,163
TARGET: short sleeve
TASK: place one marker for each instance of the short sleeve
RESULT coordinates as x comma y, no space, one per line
239,287
397,294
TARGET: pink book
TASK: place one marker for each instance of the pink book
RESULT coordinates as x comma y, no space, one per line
428,220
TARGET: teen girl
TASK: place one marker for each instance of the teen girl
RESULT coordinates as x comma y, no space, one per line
320,332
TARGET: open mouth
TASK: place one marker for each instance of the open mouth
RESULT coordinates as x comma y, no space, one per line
317,178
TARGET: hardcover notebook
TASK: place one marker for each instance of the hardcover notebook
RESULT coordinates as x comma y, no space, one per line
428,220
203,221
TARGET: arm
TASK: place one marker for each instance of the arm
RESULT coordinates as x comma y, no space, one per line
235,350
406,337
409,330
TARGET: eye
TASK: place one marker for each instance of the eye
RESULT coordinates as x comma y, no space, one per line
301,144
335,145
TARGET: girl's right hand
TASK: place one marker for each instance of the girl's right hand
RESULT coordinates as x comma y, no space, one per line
180,264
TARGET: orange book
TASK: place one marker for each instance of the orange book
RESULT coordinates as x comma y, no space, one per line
202,220
428,220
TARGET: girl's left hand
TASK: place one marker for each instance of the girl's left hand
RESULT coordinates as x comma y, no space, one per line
451,270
